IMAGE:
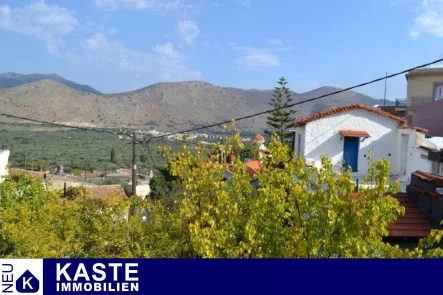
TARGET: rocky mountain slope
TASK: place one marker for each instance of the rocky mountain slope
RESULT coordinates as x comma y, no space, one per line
8,80
163,106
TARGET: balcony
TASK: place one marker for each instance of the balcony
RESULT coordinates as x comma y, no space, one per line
400,103
416,101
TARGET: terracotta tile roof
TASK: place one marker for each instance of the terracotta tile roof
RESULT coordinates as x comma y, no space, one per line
125,170
422,175
253,164
429,177
253,167
422,191
336,110
104,191
406,126
354,133
32,174
413,224
259,137
356,196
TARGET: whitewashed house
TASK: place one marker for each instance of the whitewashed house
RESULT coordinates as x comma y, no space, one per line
4,155
349,135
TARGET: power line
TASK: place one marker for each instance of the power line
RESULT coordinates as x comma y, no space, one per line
77,128
293,104
150,155
227,121
301,102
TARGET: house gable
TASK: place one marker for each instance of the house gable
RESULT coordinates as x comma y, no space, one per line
325,136
346,108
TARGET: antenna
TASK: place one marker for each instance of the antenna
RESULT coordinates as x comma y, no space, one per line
384,97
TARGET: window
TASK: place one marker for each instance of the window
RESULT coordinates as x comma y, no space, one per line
299,143
438,91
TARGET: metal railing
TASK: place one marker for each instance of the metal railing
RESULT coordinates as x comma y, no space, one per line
416,101
400,103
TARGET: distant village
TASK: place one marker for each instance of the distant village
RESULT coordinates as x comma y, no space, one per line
207,138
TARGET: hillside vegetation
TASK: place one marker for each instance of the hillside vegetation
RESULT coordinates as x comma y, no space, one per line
163,106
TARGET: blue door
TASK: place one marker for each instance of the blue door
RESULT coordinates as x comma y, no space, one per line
350,153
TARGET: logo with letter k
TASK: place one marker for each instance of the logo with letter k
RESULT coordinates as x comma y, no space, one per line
27,283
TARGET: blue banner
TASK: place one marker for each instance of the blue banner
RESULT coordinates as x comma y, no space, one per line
216,276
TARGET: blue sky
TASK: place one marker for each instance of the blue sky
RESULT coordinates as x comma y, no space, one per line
122,45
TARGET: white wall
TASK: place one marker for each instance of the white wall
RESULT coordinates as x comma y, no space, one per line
416,162
322,137
143,190
4,155
301,131
416,157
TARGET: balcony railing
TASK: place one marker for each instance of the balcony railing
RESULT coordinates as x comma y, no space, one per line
400,103
416,101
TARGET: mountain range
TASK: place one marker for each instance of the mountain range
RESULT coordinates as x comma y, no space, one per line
15,79
162,106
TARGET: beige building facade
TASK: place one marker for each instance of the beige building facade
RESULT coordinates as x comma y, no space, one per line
424,86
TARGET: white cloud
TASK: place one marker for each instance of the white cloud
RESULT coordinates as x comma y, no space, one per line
188,30
429,20
49,23
168,6
127,4
113,5
276,45
254,58
162,64
274,42
166,50
261,58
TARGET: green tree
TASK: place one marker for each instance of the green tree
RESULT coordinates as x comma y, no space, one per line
164,186
281,120
290,214
248,152
143,158
113,160
37,223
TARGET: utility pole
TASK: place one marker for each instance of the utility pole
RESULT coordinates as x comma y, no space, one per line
384,97
134,166
46,180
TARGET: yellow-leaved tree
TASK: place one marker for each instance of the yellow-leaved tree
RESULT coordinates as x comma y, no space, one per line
296,211
285,210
